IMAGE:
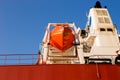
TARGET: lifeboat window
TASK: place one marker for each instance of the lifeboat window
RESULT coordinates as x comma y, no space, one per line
107,20
109,29
102,29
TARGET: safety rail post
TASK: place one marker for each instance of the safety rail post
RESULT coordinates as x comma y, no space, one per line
32,59
5,60
19,60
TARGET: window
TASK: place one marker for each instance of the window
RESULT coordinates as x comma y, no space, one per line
101,12
109,29
104,12
103,20
100,20
107,20
102,29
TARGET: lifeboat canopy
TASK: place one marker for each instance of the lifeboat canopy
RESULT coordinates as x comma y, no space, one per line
62,37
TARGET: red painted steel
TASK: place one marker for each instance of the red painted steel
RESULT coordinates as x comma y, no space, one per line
60,72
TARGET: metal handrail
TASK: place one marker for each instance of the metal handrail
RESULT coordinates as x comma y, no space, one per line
18,59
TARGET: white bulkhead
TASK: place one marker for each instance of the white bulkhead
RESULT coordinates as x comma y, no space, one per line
102,36
101,26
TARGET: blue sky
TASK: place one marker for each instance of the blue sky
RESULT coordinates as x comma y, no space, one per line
23,22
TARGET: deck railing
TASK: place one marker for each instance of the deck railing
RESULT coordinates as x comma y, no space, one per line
18,59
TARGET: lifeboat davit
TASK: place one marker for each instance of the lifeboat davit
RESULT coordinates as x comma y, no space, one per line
62,37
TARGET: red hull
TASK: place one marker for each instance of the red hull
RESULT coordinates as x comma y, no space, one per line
61,72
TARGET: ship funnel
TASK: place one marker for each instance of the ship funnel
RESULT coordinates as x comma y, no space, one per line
98,5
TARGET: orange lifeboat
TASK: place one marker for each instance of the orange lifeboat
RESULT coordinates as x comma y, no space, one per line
61,37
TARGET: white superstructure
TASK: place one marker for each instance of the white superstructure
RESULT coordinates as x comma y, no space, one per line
98,43
101,39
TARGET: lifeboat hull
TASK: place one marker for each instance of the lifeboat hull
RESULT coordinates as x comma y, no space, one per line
61,37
